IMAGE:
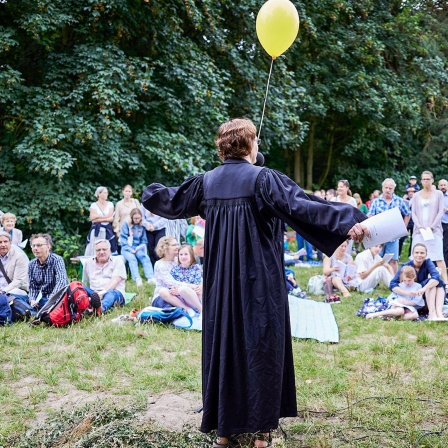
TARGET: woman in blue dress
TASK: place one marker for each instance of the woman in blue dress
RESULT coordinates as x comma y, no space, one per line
433,288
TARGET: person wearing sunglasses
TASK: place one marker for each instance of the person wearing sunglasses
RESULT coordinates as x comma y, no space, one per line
46,273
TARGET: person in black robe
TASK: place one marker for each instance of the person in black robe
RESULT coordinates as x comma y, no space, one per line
247,364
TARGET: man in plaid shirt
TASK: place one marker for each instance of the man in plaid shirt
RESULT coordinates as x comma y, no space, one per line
46,272
387,201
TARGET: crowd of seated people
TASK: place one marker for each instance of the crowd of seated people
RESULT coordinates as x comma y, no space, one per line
175,270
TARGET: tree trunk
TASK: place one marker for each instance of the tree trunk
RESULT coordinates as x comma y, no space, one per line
324,175
310,159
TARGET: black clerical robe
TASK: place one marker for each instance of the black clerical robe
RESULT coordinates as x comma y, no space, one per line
247,365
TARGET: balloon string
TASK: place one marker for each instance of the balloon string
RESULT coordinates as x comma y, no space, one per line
265,98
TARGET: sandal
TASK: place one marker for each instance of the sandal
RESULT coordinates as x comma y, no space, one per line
216,443
263,437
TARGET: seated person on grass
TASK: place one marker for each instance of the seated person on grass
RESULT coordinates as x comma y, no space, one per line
133,243
334,277
292,286
46,273
408,299
106,277
372,269
13,269
170,292
188,271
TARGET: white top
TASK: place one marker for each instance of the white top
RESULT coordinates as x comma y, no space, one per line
351,201
418,300
364,261
102,212
163,277
99,276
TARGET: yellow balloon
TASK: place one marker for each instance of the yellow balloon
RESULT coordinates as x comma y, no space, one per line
277,26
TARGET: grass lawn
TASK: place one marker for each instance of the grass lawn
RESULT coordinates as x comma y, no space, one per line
92,385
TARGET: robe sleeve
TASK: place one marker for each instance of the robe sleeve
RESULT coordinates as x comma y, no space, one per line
175,202
322,223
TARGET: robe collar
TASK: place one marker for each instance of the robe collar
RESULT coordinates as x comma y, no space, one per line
227,161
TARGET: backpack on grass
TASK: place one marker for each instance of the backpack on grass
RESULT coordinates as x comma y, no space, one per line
162,315
20,310
67,306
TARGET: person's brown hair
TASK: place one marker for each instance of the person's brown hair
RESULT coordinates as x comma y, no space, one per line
133,212
428,173
235,138
346,183
190,251
421,245
407,272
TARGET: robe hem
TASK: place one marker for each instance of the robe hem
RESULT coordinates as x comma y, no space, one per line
248,430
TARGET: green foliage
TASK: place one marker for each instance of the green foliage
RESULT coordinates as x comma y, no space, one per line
67,246
108,93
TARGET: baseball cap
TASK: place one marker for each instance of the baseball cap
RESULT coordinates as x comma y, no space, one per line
412,177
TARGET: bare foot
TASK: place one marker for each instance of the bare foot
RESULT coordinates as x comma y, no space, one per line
346,294
370,316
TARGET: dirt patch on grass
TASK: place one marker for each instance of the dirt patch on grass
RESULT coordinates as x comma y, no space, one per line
168,411
173,412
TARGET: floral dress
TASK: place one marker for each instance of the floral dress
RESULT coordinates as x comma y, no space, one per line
192,274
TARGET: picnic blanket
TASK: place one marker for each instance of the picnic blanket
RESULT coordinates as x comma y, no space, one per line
312,320
129,296
309,320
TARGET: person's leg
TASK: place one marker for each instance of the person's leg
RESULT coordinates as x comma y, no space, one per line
370,282
22,298
430,297
445,242
395,311
440,299
379,274
42,302
300,244
151,246
146,263
133,263
309,251
410,315
165,294
383,275
338,284
392,248
442,267
111,298
190,298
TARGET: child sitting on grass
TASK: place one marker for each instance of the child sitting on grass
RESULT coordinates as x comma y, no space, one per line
404,303
187,271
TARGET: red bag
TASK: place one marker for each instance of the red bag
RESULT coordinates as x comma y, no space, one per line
65,307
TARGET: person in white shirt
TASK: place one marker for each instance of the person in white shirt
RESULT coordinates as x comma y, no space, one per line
106,276
372,269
